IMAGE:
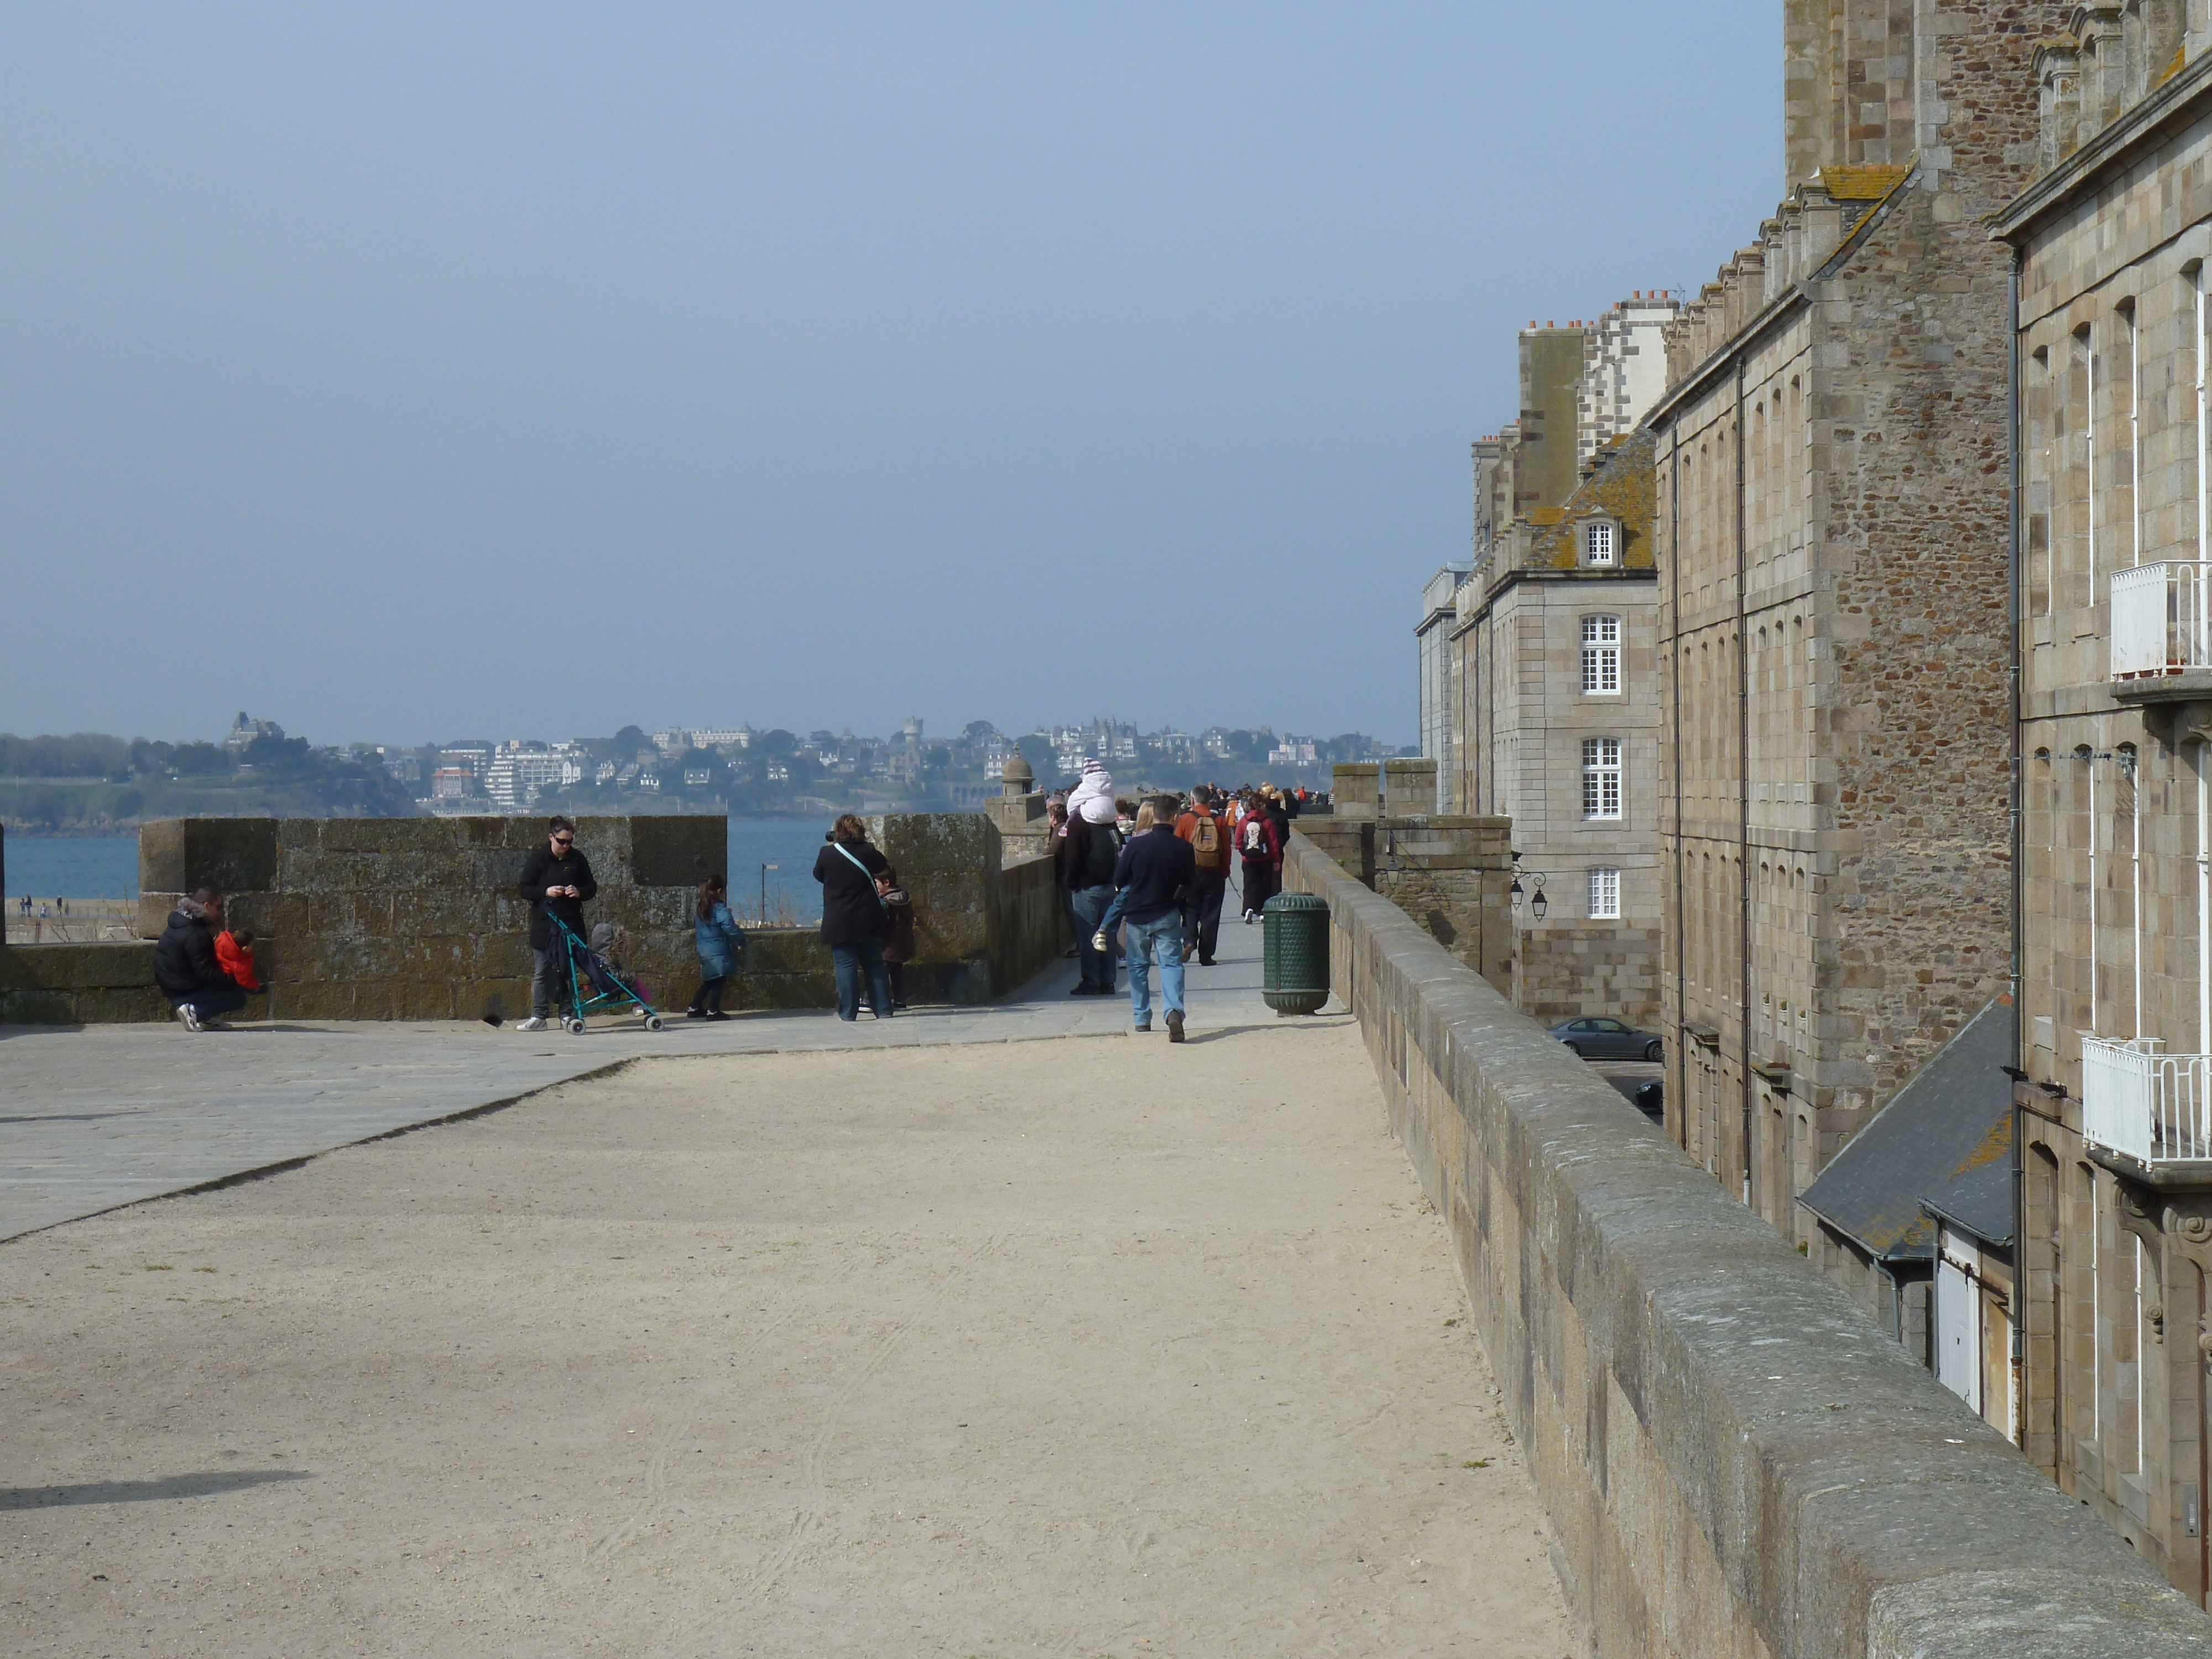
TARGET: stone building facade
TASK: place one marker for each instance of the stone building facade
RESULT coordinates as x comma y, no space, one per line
1832,519
1553,679
2111,555
1433,639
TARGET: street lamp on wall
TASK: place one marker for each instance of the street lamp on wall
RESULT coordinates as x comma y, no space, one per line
1534,890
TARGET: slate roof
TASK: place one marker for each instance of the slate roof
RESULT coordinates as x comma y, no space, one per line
1944,1138
1979,1200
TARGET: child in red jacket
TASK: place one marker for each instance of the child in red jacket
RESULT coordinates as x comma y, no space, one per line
233,954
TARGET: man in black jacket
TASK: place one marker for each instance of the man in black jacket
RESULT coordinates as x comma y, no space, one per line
556,879
1087,862
1155,872
185,965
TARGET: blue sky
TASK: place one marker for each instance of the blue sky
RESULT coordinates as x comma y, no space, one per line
400,371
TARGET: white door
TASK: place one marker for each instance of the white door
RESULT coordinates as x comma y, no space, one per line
1958,1334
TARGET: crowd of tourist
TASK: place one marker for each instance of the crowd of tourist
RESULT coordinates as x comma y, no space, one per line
1144,886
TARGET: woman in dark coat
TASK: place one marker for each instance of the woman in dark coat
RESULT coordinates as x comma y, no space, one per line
853,917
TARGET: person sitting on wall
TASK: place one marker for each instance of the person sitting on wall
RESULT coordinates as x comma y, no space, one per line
185,968
556,879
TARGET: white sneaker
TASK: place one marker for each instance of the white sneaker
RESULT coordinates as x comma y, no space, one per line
535,1023
190,1018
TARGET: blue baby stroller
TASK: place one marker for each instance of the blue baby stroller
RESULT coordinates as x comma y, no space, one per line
593,986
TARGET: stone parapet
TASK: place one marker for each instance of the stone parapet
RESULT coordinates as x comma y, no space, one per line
420,918
1734,1461
79,985
1453,874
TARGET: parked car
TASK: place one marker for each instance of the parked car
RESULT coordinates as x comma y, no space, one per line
1608,1039
1651,1098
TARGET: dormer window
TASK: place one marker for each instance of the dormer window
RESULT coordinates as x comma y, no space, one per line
1600,549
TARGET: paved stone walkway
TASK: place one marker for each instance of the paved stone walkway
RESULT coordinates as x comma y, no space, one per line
105,1115
1079,1347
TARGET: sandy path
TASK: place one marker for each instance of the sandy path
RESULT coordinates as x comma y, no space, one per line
1083,1348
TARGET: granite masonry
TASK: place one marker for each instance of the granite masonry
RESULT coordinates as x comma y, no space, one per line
419,919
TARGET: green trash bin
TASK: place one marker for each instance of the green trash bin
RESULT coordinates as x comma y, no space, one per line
1295,953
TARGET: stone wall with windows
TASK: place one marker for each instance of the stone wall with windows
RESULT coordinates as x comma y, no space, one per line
2116,791
1834,512
1557,715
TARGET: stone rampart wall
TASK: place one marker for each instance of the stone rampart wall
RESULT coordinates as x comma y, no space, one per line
419,919
1735,1462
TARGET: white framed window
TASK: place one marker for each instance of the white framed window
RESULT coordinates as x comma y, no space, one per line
1605,895
1601,777
1600,656
1601,540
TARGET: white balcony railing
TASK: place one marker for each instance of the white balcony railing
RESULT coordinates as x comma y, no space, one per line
2161,619
2154,1108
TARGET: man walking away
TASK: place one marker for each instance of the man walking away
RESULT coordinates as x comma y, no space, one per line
1256,848
1155,872
185,965
1208,833
556,879
1087,866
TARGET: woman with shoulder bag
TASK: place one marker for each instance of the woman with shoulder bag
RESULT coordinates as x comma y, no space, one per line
720,943
853,917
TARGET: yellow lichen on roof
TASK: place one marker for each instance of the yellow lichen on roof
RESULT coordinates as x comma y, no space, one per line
1623,483
1544,515
1862,184
2180,59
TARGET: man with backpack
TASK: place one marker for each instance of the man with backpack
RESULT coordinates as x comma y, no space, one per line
1207,829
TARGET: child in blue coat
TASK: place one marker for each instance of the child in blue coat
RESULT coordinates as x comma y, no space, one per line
720,943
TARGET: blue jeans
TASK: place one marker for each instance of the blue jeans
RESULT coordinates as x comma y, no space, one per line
1090,905
862,956
216,1003
1159,940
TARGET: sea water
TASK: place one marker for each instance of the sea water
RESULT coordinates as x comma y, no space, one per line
106,866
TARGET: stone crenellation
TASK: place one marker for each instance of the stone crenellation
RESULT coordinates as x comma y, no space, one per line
419,919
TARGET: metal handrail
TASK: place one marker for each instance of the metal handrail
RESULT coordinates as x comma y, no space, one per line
2152,1107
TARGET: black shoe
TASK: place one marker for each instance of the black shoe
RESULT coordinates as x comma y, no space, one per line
1175,1025
1206,962
1082,987
716,1013
697,1013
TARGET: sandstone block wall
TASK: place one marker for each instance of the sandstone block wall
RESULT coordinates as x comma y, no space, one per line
1453,875
1734,1461
419,918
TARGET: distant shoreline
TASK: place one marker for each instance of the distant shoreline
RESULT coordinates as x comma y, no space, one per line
99,832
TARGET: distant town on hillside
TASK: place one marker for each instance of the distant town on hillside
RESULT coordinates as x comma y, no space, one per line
88,782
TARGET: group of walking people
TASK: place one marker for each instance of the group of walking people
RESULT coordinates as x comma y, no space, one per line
1143,884
1159,872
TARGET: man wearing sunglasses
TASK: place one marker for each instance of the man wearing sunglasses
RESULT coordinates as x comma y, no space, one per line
556,879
